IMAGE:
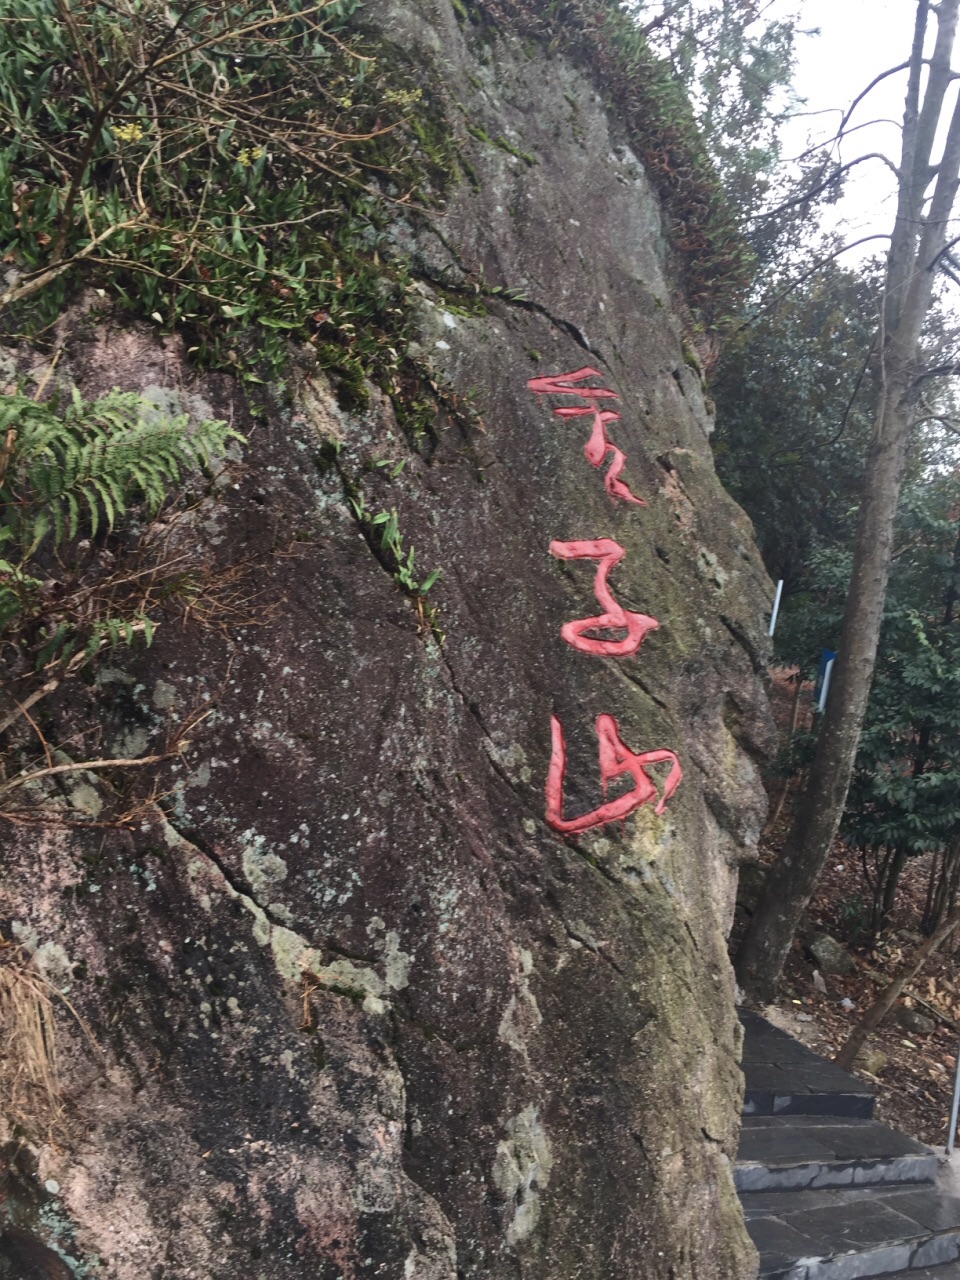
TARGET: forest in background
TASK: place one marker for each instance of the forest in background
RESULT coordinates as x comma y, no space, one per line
799,383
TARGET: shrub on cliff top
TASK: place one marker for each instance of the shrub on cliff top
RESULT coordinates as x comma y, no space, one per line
220,166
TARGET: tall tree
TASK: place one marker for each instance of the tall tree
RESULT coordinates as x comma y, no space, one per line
917,247
904,798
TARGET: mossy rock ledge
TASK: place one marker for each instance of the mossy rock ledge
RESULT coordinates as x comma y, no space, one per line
350,1008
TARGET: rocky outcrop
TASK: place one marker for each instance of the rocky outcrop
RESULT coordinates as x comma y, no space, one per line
334,1000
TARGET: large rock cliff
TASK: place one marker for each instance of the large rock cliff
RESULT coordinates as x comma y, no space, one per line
335,1000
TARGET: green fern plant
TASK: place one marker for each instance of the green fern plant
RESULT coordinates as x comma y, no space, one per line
78,470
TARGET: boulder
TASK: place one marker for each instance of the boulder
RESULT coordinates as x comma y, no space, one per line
352,1006
912,1020
831,956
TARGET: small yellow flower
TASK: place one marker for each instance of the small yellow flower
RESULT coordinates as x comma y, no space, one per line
248,155
128,132
402,98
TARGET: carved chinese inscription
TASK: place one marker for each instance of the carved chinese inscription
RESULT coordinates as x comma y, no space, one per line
599,446
637,625
615,758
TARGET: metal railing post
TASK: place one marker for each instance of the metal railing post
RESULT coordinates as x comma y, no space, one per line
951,1136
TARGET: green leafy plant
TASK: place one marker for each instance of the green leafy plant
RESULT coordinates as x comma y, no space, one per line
383,533
391,542
77,470
225,167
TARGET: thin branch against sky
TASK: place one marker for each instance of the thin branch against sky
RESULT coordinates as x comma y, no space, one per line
857,40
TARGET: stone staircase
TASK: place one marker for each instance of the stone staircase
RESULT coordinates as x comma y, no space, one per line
829,1193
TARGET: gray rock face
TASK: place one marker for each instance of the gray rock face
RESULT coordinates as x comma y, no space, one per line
358,1010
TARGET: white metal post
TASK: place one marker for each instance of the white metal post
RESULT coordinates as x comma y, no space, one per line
825,688
955,1108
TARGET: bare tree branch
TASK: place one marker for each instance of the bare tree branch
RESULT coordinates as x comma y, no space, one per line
884,75
24,288
856,391
838,137
806,276
834,175
663,18
23,707
23,778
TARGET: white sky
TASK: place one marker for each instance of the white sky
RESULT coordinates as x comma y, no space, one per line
857,40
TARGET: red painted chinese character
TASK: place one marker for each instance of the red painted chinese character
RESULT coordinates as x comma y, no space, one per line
615,760
637,625
599,446
564,384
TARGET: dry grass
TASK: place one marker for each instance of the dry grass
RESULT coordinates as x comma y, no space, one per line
30,1093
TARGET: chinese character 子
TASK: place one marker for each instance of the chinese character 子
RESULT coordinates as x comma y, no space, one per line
598,446
637,625
616,759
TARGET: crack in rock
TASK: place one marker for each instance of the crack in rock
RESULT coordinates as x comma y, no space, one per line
293,956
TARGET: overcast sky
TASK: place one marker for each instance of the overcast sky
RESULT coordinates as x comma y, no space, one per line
857,39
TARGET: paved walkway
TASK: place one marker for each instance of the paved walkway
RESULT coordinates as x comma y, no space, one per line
828,1192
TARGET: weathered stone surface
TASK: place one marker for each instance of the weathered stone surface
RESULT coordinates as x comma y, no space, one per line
357,1010
912,1020
832,956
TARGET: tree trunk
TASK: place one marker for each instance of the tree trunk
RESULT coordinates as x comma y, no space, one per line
917,242
928,915
792,877
889,995
792,729
890,882
944,899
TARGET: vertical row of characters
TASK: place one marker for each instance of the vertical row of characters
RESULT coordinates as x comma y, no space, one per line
585,635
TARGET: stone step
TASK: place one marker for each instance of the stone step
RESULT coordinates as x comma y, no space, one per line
784,1077
847,1233
951,1271
789,1153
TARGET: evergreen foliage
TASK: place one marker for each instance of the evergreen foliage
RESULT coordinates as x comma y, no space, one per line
905,793
794,393
906,788
77,470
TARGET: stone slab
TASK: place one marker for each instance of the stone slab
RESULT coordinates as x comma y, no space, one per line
799,1152
845,1234
903,1171
784,1077
950,1271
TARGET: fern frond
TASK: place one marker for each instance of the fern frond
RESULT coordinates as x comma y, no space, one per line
80,466
106,453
